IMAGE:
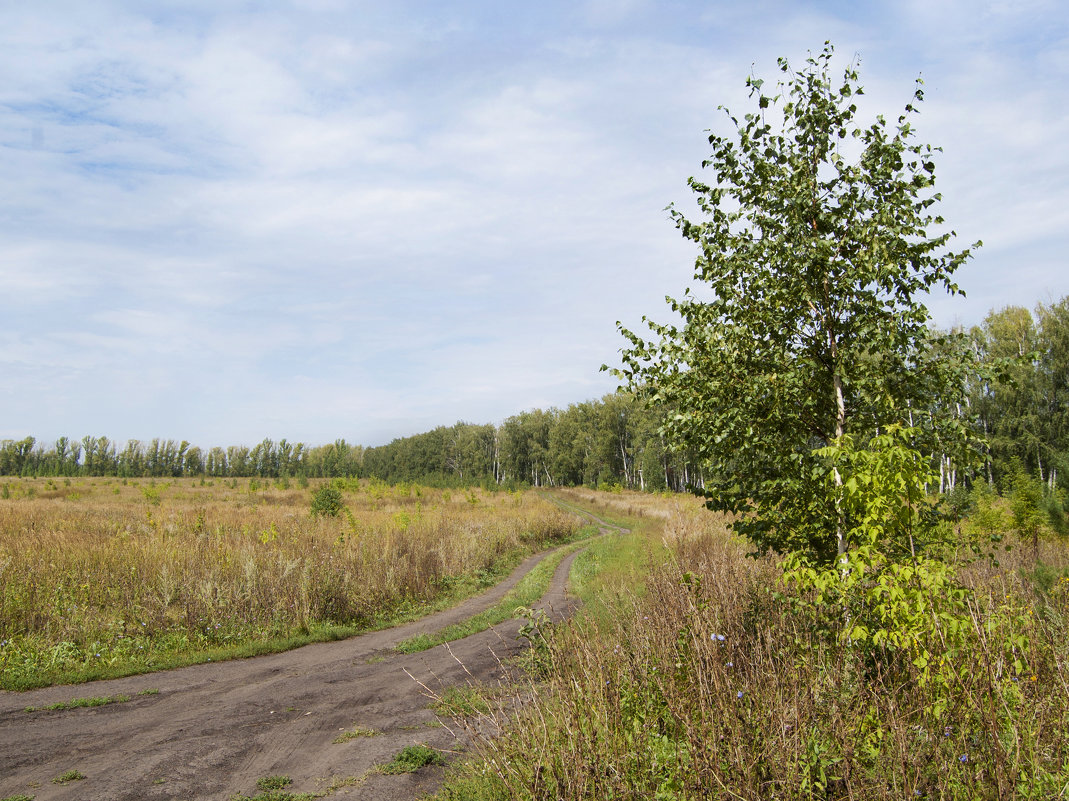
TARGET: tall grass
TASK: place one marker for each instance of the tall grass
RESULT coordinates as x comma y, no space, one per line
718,682
102,577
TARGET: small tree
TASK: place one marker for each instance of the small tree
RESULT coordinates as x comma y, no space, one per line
817,262
326,501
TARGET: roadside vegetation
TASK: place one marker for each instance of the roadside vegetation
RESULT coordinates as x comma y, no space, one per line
107,577
526,593
722,676
873,604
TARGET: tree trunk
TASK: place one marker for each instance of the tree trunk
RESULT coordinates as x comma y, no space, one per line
840,420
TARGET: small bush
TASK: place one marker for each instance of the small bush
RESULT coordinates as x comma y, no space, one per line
326,502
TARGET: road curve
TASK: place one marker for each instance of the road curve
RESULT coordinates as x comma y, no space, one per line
212,730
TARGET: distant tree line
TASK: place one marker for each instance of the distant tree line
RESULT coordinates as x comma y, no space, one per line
614,441
100,456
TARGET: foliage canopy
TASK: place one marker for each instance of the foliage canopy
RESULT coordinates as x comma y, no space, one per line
814,241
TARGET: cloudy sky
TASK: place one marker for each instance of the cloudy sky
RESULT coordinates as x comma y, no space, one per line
224,221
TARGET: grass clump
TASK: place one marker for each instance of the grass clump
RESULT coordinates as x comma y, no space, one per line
355,733
273,782
82,703
420,642
19,797
464,701
412,758
68,777
272,788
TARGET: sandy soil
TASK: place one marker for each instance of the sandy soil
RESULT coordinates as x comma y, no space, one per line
212,730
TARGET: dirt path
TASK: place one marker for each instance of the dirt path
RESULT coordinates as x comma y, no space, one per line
212,730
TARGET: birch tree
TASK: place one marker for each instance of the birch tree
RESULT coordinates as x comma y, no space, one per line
815,254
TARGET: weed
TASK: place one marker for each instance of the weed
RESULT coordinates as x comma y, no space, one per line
355,733
463,701
273,782
81,703
421,642
347,781
70,776
412,758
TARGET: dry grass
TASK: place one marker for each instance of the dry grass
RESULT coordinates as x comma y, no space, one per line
629,503
101,574
716,683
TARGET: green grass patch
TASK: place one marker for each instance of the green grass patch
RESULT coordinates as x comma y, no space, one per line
613,567
412,758
464,701
272,788
81,703
612,563
421,642
273,782
19,797
68,777
529,590
355,733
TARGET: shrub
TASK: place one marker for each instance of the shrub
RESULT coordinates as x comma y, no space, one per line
326,502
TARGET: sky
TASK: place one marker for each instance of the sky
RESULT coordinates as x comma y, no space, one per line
225,221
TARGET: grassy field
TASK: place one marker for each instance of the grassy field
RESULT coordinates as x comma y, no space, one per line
697,673
107,577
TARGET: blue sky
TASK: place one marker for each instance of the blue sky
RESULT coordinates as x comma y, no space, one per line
229,221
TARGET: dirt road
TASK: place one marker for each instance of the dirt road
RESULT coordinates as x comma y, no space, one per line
212,730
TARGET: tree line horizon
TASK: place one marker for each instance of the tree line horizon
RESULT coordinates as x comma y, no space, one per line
612,441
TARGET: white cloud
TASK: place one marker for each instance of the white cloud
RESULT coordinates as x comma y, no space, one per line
329,219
